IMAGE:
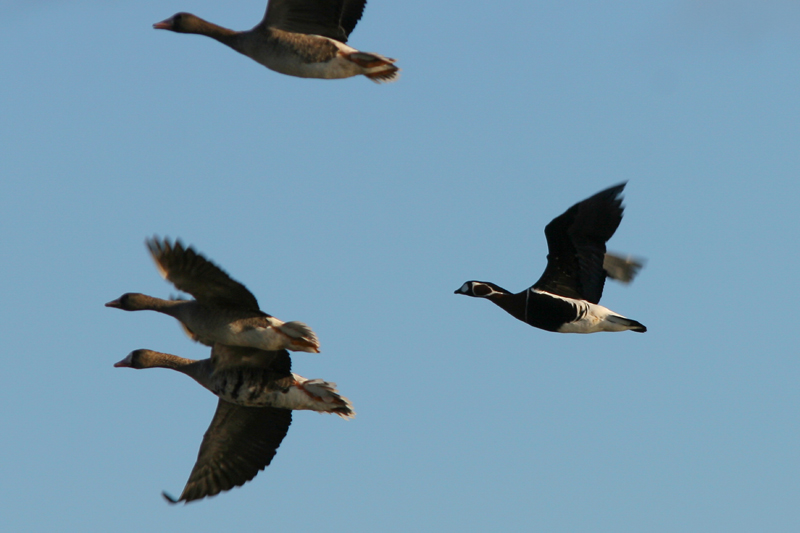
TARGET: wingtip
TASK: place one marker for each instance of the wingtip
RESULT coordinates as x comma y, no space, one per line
622,268
618,188
157,246
170,499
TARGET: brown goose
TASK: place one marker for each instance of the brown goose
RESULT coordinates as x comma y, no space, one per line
303,38
257,392
223,310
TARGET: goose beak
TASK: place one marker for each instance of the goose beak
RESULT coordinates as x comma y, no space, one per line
163,25
125,363
114,303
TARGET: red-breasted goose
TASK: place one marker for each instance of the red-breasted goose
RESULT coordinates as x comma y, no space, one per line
223,310
304,38
257,392
565,299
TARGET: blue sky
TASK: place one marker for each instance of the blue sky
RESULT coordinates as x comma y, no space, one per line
359,209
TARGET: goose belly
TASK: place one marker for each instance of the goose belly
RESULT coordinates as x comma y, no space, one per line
567,315
592,318
295,63
336,68
249,389
266,337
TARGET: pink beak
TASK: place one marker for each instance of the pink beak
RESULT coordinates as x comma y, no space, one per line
125,363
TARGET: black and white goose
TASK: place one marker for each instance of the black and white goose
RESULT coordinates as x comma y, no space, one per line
257,393
223,310
565,299
303,38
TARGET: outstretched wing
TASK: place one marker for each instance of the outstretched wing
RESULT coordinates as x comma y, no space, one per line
190,272
576,242
622,269
351,14
239,443
329,18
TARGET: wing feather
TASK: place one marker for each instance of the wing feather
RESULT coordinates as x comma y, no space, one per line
576,242
330,18
191,272
240,442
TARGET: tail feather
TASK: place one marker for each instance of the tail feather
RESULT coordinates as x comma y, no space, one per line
627,323
304,337
378,68
325,397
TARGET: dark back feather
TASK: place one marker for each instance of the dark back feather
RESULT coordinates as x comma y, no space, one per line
273,364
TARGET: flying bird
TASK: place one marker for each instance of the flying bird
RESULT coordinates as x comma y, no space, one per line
257,392
304,38
565,299
223,310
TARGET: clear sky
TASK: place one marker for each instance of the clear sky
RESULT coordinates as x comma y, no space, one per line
359,209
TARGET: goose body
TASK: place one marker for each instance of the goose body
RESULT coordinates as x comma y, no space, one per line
223,310
566,298
257,392
303,38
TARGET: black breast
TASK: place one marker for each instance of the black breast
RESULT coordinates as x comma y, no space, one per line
539,310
